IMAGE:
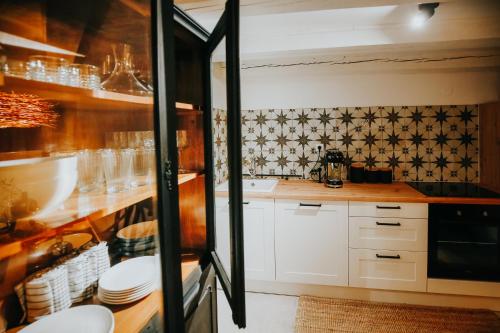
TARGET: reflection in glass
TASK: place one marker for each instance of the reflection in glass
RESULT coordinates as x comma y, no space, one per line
220,158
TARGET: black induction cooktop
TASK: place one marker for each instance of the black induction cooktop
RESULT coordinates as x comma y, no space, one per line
442,189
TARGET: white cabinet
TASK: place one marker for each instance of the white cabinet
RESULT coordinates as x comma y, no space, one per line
396,270
388,245
258,233
388,233
258,220
388,209
312,242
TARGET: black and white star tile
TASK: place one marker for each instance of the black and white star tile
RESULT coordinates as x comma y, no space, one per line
420,143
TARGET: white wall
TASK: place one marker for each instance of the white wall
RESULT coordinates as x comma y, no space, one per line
300,86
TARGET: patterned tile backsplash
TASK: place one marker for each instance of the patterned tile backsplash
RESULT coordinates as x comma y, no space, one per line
420,143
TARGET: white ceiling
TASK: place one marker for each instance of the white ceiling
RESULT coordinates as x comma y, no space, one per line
288,31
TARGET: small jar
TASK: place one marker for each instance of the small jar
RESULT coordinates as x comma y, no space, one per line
372,175
385,175
357,173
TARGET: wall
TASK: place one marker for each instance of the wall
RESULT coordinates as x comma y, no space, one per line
419,143
490,145
300,86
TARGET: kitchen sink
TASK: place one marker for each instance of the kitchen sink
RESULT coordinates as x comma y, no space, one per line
253,185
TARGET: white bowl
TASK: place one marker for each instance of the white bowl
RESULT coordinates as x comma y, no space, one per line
47,182
79,319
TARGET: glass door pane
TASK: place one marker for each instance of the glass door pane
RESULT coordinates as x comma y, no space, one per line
218,82
78,193
226,222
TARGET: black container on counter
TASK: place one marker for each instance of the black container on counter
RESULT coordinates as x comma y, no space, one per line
371,175
385,175
357,173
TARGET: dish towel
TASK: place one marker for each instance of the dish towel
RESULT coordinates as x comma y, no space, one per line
72,280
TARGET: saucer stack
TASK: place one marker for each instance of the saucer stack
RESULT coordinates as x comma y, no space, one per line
128,281
138,239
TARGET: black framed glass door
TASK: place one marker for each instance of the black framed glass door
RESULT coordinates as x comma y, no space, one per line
223,142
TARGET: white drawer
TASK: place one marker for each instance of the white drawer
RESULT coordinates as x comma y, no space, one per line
388,209
388,233
381,269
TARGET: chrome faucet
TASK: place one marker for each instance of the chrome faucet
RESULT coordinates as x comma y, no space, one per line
252,169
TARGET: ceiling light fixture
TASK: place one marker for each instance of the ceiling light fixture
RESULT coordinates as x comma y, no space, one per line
425,12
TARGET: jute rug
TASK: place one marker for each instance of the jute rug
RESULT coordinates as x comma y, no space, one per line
326,315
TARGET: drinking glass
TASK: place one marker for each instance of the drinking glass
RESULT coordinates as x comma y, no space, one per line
48,69
84,76
143,166
90,174
117,164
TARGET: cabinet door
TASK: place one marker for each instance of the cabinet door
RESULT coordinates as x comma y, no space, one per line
258,220
388,233
312,242
397,270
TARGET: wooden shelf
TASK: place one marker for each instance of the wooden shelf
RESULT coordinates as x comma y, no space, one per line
85,98
91,206
132,318
94,99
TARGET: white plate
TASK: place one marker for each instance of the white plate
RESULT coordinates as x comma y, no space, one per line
79,319
129,274
124,301
125,292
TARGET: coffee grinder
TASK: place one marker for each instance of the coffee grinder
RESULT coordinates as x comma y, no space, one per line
334,164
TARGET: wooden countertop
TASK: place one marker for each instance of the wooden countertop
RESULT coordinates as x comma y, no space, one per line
132,318
395,192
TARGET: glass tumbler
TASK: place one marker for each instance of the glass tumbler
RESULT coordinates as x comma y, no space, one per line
48,69
117,165
84,76
143,166
90,174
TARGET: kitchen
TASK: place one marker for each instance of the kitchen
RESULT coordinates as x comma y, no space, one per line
399,97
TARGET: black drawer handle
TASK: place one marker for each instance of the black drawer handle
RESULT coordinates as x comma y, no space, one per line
246,202
388,207
397,256
397,224
309,205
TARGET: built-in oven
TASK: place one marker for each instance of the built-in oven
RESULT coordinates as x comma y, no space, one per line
464,242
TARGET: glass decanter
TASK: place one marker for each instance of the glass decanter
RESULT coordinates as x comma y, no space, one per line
122,79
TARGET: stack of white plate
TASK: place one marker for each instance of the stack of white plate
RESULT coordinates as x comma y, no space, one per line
128,281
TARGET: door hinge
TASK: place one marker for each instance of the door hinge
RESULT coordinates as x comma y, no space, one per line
168,175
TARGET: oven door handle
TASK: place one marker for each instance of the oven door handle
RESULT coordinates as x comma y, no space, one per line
381,256
397,224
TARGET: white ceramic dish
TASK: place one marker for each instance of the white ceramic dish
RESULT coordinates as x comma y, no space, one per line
124,301
47,181
125,293
128,275
79,319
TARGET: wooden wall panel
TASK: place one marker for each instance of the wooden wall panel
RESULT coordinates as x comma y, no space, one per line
193,214
489,131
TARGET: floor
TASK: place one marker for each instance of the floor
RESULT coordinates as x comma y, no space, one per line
266,313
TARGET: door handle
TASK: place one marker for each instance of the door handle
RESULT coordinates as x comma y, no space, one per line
246,202
397,224
309,205
381,256
388,207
